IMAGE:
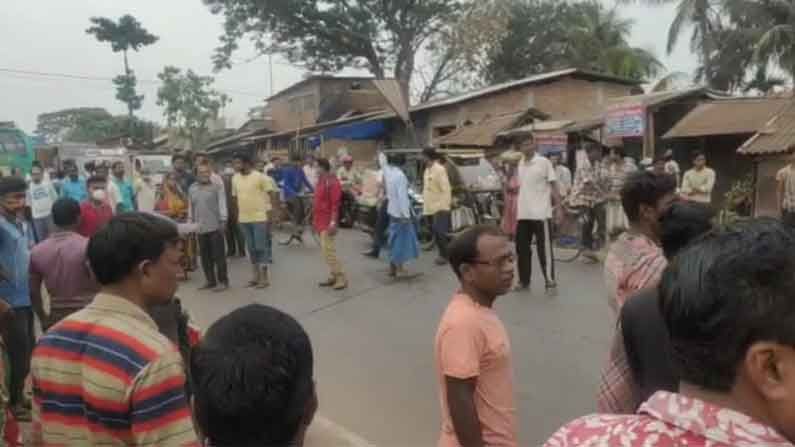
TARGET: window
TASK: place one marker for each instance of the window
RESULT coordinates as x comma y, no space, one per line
12,142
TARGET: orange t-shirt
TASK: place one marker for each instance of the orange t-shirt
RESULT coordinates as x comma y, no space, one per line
472,342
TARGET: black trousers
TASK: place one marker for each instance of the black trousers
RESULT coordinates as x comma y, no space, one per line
212,252
21,340
595,215
235,241
295,206
526,231
381,225
788,217
441,230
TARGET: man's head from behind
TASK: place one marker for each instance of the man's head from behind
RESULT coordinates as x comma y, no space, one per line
729,307
66,213
646,196
683,223
253,374
137,254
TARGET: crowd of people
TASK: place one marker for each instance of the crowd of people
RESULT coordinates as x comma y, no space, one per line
700,353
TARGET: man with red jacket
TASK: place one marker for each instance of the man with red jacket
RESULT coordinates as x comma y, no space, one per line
328,196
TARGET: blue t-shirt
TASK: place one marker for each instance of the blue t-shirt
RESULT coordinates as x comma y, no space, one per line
15,242
74,189
126,193
293,181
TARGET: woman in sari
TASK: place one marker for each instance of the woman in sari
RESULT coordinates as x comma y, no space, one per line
173,203
510,189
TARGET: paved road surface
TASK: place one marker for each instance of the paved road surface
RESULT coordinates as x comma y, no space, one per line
373,342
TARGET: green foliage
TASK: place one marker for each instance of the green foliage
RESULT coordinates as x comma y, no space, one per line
124,35
189,102
545,35
90,124
125,90
380,36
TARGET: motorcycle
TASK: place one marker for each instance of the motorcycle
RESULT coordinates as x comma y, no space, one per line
348,210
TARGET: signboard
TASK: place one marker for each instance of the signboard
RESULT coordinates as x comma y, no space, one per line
549,143
626,122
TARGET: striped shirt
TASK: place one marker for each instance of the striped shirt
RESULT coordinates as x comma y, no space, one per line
106,376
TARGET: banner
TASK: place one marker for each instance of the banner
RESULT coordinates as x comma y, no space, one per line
551,143
627,121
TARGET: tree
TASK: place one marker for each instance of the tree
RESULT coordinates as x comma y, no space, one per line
91,124
124,35
381,36
599,40
777,44
189,103
546,35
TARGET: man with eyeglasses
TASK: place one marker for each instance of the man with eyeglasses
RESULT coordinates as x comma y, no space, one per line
472,349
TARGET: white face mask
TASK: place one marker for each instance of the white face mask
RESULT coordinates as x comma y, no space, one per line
99,195
229,171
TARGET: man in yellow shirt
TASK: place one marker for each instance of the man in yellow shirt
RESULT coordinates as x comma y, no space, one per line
254,191
437,197
698,182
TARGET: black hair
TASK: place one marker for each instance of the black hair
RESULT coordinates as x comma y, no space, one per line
324,163
96,179
253,376
697,154
464,248
644,188
658,159
431,153
244,158
619,150
116,163
728,291
176,157
65,212
12,184
683,223
396,159
127,240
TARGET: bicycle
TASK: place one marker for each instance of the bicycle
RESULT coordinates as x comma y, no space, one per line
568,243
307,220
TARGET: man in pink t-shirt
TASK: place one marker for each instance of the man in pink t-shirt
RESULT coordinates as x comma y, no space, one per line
472,349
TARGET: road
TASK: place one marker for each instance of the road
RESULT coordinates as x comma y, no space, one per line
373,343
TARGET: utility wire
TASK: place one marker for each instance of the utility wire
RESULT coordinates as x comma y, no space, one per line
53,76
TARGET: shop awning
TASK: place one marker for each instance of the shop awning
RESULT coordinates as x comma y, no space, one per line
365,130
727,117
775,137
483,134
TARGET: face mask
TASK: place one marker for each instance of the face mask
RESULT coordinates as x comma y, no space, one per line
229,171
99,195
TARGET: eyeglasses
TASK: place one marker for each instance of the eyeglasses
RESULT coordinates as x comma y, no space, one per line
496,262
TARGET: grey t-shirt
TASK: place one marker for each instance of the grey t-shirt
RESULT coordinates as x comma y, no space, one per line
206,206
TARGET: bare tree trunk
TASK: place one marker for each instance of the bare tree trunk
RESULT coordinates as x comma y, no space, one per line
129,104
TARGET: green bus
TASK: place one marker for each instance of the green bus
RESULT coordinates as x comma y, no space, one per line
16,151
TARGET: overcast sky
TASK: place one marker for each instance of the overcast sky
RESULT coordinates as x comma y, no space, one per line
49,36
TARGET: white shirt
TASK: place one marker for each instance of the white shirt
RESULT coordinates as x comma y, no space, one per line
535,190
311,175
564,179
41,196
145,196
114,195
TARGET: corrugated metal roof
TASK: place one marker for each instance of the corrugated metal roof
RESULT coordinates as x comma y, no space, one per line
727,117
777,136
659,98
520,82
482,134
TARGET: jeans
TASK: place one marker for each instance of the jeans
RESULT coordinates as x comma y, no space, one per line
211,250
441,229
21,340
42,226
526,230
235,242
594,215
329,249
258,241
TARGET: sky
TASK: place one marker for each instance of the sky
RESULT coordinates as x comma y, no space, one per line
48,36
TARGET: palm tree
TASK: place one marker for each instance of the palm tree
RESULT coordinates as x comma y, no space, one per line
777,44
598,39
